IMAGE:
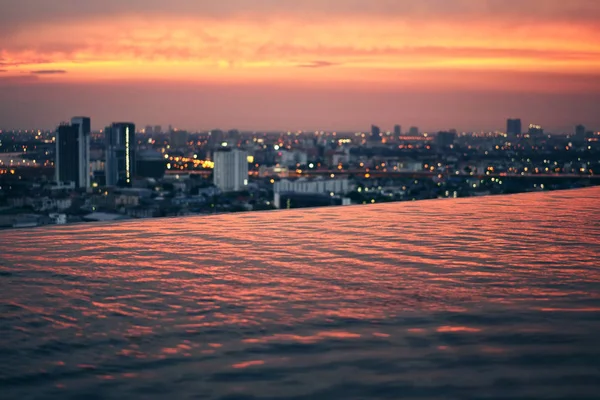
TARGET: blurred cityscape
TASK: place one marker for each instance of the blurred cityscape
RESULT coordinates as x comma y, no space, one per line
73,174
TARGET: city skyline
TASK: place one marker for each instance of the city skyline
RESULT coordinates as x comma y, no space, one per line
279,65
300,199
410,130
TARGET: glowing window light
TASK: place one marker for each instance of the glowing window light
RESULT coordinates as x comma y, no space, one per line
127,152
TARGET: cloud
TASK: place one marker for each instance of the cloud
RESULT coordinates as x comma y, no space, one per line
317,64
290,42
3,70
27,60
216,41
22,15
49,71
33,11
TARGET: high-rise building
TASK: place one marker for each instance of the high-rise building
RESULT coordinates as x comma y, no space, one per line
397,131
149,130
84,127
216,138
375,134
535,130
157,129
179,139
445,139
413,131
513,127
231,169
580,132
233,137
67,158
72,162
120,154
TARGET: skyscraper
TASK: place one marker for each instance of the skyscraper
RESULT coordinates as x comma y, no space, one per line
233,137
84,127
580,132
397,131
414,131
179,139
72,162
375,134
231,169
120,154
513,127
445,139
67,158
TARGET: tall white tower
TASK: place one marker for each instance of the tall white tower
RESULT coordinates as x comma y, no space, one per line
231,169
83,142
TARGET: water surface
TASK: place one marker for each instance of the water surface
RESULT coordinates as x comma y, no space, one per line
480,298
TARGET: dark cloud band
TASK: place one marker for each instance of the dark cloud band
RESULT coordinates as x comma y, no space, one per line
49,71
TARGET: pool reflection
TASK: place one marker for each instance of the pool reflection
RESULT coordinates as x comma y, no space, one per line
435,299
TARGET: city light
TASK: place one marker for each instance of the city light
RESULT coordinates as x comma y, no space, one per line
399,170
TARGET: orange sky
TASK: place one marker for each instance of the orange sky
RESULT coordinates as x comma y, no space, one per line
544,46
286,48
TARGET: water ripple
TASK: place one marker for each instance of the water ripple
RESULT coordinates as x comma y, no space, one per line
483,298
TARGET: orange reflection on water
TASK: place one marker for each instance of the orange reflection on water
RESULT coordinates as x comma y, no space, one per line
576,309
248,364
304,339
447,329
381,335
364,262
390,284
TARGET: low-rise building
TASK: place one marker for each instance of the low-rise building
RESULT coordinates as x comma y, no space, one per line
319,185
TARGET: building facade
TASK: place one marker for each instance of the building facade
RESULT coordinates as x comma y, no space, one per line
179,139
67,158
231,169
375,134
72,160
323,186
397,131
150,164
445,139
513,127
535,130
84,128
120,161
580,132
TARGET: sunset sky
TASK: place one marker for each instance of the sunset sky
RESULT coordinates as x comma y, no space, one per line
309,64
